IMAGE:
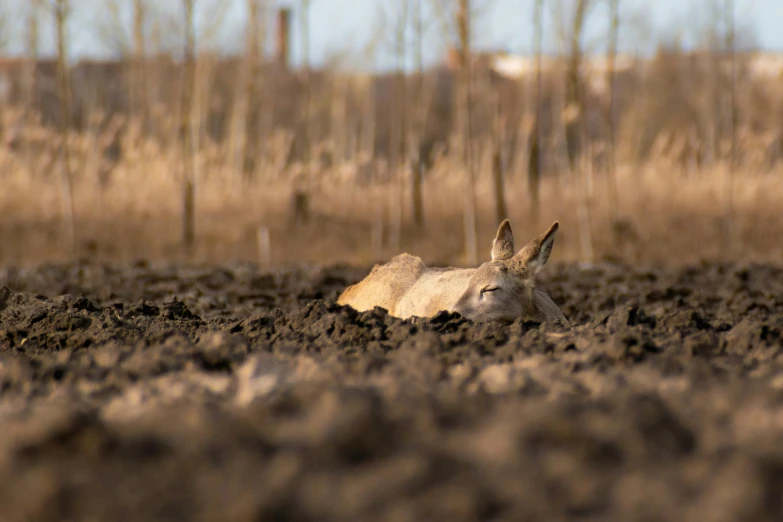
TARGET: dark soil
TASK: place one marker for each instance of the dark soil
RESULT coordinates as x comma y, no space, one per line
150,393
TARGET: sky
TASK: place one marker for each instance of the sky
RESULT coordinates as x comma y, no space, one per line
358,34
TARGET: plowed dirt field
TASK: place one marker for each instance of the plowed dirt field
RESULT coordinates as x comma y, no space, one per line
152,393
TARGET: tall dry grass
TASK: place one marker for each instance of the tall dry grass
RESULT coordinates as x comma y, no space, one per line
670,165
669,213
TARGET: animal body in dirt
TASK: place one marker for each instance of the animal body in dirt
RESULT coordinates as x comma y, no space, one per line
503,288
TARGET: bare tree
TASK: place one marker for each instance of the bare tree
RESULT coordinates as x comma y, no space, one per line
498,166
574,87
203,70
614,17
250,98
464,112
243,119
30,76
367,126
139,100
577,136
61,13
399,124
237,135
731,48
497,138
4,35
534,167
713,123
417,134
307,102
186,130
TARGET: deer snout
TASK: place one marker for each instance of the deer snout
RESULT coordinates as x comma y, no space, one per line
464,307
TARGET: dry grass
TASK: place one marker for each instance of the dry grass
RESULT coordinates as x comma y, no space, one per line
667,215
127,174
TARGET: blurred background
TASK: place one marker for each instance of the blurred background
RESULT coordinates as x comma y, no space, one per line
348,131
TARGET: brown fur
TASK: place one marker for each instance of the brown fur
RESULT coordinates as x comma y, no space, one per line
503,288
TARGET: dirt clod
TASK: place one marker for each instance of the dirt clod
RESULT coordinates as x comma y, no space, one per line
218,393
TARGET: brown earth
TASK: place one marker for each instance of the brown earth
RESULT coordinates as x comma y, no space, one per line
225,394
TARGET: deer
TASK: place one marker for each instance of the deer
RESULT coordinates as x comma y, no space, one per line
503,288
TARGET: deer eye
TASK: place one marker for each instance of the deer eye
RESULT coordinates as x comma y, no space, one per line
489,289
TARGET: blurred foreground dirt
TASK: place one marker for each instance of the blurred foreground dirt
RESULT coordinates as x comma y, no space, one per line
222,393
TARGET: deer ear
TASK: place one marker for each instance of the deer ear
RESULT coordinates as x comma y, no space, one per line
535,254
503,244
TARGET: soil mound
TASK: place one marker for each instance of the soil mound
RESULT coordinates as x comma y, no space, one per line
220,393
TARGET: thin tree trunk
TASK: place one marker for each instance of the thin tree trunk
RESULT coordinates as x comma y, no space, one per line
398,134
498,181
465,109
534,157
198,128
307,102
369,122
714,124
731,45
247,104
155,73
574,88
577,133
417,201
237,135
352,120
611,79
186,133
139,100
139,87
31,84
584,209
61,9
339,120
